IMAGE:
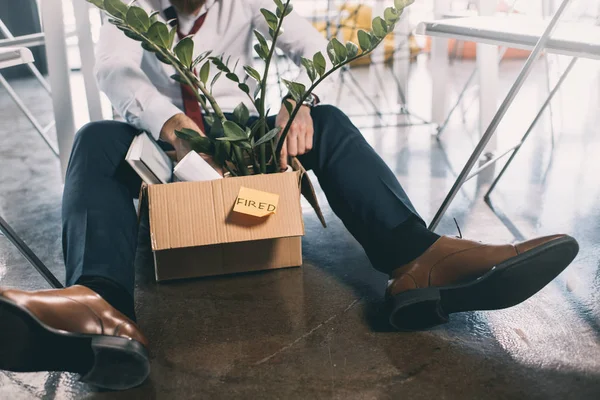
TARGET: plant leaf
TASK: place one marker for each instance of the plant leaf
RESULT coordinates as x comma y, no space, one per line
391,15
340,50
401,4
319,63
186,134
116,8
263,44
231,138
215,78
201,58
331,53
132,35
364,40
244,88
178,78
310,68
337,51
271,18
279,4
97,3
216,129
138,19
218,61
352,49
379,27
158,33
221,151
268,136
261,39
256,126
296,89
289,9
241,114
184,51
233,77
244,144
252,73
204,72
162,58
153,17
233,132
146,46
288,106
202,144
260,51
172,34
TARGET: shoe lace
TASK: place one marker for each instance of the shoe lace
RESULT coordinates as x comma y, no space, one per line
460,236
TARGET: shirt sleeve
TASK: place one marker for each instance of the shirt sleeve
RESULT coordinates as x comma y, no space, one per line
299,39
120,76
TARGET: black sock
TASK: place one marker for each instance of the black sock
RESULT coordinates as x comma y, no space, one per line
409,240
114,294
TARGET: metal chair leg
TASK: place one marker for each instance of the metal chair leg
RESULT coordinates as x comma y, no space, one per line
530,129
29,254
514,90
41,130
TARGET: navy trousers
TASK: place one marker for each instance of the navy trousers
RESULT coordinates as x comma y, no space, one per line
100,222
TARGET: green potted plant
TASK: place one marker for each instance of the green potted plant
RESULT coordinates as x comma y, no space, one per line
238,148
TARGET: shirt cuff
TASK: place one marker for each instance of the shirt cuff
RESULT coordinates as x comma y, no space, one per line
158,111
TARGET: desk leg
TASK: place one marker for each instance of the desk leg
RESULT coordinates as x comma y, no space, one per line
58,74
487,65
439,68
86,51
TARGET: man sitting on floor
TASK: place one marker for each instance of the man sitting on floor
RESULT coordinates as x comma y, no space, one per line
89,327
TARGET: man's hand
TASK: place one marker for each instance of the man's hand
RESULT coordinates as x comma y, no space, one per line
182,147
300,136
176,123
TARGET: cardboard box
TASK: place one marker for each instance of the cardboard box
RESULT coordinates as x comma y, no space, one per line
194,231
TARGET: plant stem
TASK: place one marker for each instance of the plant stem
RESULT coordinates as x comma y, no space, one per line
275,160
309,91
263,90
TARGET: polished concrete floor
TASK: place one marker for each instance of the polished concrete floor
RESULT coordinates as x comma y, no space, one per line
320,331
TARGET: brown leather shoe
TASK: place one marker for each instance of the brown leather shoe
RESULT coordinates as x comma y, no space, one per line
73,330
456,275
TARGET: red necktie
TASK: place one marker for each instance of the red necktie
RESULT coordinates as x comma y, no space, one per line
191,106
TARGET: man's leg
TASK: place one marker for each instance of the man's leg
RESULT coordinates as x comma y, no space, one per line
364,193
99,219
430,276
84,328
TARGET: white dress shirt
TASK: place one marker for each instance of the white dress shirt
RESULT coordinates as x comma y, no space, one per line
139,86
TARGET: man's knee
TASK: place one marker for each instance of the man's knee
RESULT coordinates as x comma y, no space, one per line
327,113
330,121
96,135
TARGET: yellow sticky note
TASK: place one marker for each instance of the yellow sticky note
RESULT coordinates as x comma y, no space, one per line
255,202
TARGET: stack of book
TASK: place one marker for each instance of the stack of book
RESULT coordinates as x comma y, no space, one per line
154,166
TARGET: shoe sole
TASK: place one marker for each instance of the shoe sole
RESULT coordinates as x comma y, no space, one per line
507,284
106,362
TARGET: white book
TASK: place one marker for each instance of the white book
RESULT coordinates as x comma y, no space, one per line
149,161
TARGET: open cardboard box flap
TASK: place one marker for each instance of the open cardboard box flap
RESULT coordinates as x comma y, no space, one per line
308,191
189,214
